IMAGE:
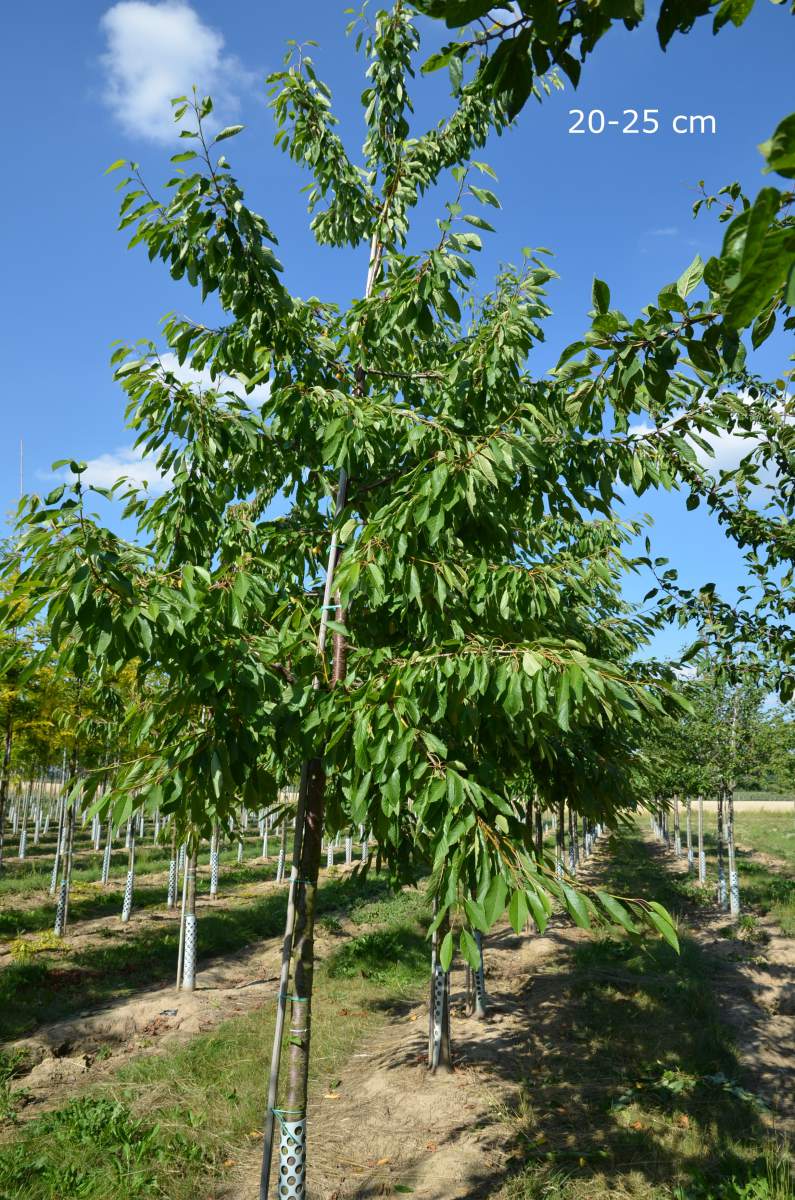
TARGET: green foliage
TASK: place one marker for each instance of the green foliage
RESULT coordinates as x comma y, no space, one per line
92,1144
488,655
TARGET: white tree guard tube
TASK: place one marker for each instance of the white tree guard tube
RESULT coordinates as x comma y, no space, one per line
60,909
214,865
181,859
126,908
59,849
106,855
171,898
240,851
264,840
480,980
189,961
689,835
348,851
329,854
23,842
292,1157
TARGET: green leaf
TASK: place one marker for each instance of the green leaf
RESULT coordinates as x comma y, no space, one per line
663,922
577,907
494,902
446,950
469,949
114,166
617,911
691,277
518,911
779,150
600,295
476,914
228,132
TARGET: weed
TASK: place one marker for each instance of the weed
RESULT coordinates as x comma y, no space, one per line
23,949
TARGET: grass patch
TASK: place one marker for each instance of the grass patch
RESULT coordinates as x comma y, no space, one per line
62,982
765,886
642,1094
176,1124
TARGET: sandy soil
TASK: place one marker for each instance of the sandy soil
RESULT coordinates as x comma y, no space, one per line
391,1125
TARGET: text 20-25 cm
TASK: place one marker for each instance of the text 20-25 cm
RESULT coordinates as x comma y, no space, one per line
640,121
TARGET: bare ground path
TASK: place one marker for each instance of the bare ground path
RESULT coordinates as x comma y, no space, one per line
755,984
390,1127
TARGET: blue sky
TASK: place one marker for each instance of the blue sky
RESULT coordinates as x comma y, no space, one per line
89,83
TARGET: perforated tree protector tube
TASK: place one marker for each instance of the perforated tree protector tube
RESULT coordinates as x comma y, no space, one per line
214,865
480,979
348,851
106,858
60,909
189,966
292,1156
439,982
734,893
126,907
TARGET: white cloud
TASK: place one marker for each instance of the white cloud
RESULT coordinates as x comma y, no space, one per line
106,469
728,449
666,231
204,380
156,51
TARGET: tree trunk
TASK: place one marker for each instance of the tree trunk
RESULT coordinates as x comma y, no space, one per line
4,778
126,908
721,869
702,858
56,862
292,1118
214,862
107,854
62,908
530,826
440,1056
282,852
677,829
171,898
734,882
560,839
189,954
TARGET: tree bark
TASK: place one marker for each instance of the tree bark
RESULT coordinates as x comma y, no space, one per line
721,869
4,778
303,940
